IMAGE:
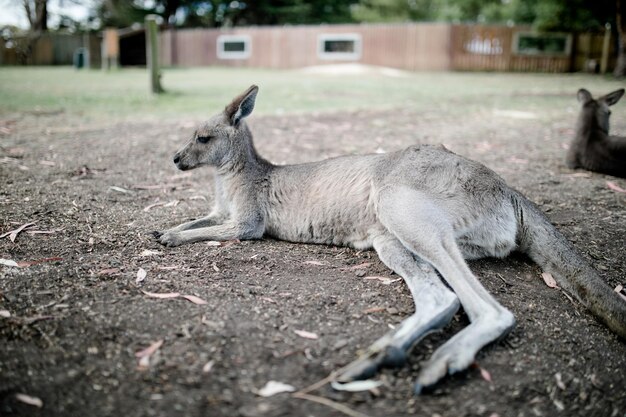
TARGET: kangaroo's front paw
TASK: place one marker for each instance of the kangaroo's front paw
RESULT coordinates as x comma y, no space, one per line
170,239
157,234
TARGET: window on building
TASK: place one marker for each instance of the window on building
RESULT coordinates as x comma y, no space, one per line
233,47
345,46
480,45
542,44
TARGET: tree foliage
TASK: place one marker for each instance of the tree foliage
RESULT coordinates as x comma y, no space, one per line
566,15
216,13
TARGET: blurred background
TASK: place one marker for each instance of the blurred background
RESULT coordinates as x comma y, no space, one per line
380,53
495,35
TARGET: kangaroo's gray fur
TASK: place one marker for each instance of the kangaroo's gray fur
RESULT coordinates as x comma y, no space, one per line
424,210
593,148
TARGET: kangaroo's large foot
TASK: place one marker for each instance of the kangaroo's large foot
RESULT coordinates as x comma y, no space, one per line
390,351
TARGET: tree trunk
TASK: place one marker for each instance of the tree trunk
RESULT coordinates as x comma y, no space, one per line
620,12
37,14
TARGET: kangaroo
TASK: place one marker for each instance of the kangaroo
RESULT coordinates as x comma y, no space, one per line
424,210
593,148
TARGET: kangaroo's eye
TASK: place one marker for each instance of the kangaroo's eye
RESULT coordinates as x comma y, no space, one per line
203,139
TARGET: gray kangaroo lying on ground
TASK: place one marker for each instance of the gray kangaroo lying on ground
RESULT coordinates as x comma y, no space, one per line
593,148
424,210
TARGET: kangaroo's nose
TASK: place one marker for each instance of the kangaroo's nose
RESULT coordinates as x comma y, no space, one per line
176,159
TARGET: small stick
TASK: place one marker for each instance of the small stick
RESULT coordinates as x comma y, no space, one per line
318,384
329,403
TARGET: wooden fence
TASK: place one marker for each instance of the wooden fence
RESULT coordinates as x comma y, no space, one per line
49,49
411,46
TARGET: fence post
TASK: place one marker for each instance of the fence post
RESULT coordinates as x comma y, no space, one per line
606,47
110,51
152,54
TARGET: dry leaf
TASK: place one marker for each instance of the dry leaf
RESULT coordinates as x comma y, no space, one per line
208,366
269,300
580,175
30,400
618,290
8,262
141,275
173,203
12,234
161,294
34,319
559,381
213,243
148,252
144,354
306,335
356,386
149,350
559,404
197,197
120,189
153,187
373,310
384,280
23,264
5,314
42,232
147,208
485,374
318,263
194,299
359,266
109,271
275,387
549,280
615,187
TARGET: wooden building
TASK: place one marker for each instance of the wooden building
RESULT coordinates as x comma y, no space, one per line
410,46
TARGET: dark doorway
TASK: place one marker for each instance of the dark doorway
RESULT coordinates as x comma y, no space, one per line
133,49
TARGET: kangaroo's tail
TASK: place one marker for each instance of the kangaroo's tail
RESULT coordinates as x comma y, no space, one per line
545,245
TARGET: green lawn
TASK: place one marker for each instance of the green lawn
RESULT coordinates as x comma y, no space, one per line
195,93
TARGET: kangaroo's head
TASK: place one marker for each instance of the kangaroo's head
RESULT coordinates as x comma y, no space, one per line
597,112
218,140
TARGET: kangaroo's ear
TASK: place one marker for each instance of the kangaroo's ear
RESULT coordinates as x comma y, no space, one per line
613,97
242,105
584,96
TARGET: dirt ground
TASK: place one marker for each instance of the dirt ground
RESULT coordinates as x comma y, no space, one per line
78,316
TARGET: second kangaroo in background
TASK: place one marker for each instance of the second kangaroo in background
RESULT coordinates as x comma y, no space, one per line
423,209
593,148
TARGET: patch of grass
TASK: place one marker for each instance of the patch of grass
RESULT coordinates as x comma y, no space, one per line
200,92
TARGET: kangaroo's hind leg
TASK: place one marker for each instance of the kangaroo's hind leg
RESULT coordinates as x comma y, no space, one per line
424,227
435,305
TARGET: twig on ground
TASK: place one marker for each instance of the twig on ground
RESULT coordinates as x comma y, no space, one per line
319,383
329,403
